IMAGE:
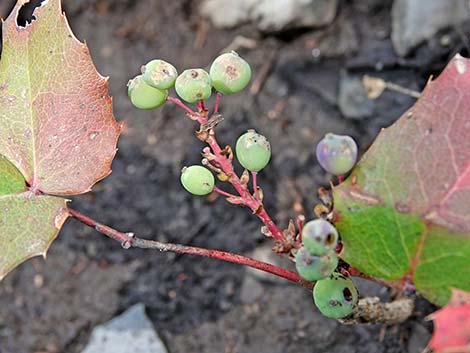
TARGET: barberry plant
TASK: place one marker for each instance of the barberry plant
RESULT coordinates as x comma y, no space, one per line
400,218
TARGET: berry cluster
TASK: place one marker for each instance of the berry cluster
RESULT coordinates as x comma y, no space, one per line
314,250
253,151
229,74
316,260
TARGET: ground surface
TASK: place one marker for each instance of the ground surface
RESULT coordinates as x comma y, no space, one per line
204,305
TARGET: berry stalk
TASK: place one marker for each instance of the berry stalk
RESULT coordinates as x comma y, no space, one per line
188,110
225,164
128,240
222,160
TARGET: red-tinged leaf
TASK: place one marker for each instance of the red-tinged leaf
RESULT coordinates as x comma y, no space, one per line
452,325
404,213
58,134
57,125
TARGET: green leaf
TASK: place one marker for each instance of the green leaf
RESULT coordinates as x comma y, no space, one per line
11,180
28,225
404,213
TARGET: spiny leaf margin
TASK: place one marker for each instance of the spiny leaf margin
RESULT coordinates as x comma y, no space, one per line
407,199
58,128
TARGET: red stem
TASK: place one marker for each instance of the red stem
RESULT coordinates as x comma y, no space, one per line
128,240
200,106
218,96
254,177
352,271
222,192
221,161
180,104
224,163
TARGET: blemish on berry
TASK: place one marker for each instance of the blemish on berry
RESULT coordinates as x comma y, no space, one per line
347,294
231,72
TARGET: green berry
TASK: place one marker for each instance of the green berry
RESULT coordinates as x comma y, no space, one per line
337,154
194,85
314,268
144,96
197,180
253,151
319,237
230,73
159,74
335,296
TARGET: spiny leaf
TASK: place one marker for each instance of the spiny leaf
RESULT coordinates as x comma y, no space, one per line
56,115
405,210
452,325
28,225
58,134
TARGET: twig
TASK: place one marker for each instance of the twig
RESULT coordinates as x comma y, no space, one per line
375,86
373,311
264,72
240,42
403,90
128,240
394,285
203,28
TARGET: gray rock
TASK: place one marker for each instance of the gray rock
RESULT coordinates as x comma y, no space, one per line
235,12
270,15
131,332
352,99
415,21
419,338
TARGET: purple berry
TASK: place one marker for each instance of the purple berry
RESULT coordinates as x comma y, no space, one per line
337,154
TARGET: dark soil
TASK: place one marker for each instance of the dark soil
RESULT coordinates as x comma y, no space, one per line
205,305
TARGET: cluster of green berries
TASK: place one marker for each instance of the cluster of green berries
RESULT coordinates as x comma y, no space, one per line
253,152
150,90
337,154
228,74
334,294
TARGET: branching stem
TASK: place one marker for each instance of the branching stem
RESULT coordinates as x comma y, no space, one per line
222,161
